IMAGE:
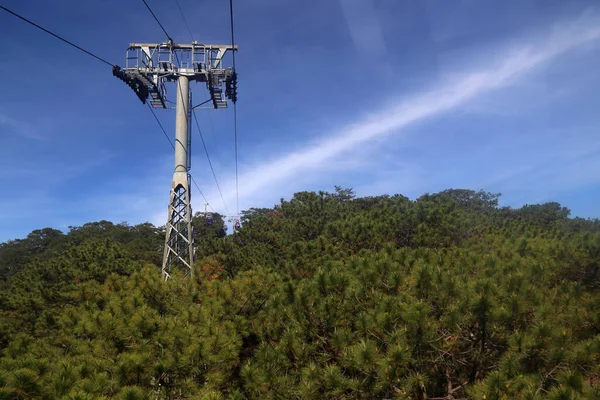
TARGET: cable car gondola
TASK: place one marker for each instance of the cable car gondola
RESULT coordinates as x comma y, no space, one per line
208,217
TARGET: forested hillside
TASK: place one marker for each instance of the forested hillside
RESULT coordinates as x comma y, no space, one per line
324,296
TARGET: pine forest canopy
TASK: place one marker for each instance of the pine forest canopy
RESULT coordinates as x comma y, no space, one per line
323,296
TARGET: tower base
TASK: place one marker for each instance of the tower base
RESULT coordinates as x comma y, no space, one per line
179,250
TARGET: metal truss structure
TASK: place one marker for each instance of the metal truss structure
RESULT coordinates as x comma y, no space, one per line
179,241
148,68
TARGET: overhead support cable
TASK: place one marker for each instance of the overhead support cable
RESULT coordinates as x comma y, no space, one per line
237,190
186,112
209,162
201,104
56,36
196,118
201,194
156,19
212,132
184,20
173,146
161,127
112,65
232,36
192,109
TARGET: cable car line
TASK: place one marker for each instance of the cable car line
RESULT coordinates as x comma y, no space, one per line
156,19
110,64
186,111
56,36
161,127
237,190
201,104
173,146
184,20
157,120
196,118
194,114
202,194
212,132
231,24
206,101
209,162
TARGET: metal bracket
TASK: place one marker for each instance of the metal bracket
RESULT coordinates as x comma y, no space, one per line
153,64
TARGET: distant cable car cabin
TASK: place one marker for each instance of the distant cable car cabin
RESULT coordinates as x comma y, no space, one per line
208,217
237,225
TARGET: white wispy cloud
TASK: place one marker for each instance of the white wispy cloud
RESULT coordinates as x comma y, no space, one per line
510,65
364,27
560,168
265,181
16,127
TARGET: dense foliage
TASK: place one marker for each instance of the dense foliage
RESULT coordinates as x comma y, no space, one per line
322,296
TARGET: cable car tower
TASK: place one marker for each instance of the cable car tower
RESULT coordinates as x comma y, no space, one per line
148,68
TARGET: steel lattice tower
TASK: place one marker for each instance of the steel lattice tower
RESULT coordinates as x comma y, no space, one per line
148,67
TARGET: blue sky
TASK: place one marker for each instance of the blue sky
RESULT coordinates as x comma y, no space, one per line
383,96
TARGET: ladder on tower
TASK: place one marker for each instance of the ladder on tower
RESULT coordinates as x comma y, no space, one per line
217,98
156,98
